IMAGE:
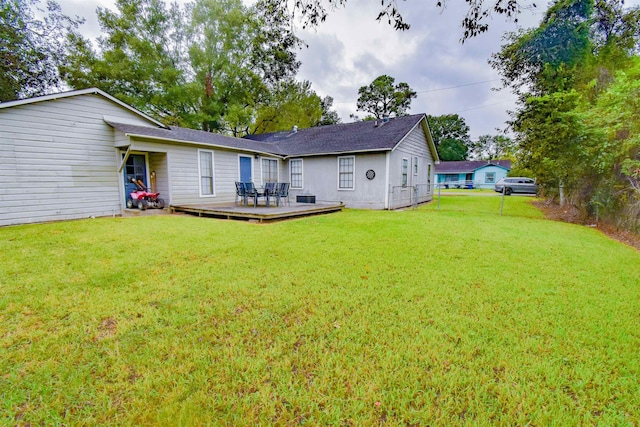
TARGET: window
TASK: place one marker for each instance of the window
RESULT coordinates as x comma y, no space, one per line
490,177
415,166
295,167
345,172
205,167
269,170
405,171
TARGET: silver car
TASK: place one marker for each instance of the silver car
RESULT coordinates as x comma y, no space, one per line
516,185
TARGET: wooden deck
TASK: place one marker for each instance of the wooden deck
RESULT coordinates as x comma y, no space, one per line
259,213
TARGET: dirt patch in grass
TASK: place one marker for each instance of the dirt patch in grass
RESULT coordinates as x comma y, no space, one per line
571,214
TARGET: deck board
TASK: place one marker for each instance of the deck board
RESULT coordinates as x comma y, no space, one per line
259,213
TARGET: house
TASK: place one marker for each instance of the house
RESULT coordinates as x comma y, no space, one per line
71,155
472,173
383,164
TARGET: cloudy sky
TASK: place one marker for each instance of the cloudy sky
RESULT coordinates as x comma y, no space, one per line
351,49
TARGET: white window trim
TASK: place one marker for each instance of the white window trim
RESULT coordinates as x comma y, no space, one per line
415,165
353,173
404,187
261,169
490,182
213,171
248,157
301,174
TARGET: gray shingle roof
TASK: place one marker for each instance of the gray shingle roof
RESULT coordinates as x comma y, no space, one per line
469,166
334,139
342,138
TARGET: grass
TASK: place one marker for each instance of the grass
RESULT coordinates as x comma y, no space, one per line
417,317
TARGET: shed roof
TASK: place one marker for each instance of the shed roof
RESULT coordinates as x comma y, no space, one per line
468,166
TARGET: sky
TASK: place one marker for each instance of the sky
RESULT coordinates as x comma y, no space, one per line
350,49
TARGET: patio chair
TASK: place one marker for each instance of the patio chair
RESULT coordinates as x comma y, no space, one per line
241,193
283,192
250,190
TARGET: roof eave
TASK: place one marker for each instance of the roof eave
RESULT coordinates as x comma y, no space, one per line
204,144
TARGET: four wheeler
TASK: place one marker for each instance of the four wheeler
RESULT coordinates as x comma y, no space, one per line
142,198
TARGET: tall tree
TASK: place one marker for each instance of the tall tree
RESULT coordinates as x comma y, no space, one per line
33,45
382,97
492,147
209,65
293,104
450,135
329,116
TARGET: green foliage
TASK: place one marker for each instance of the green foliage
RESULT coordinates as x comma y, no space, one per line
294,104
492,147
450,135
383,97
329,116
32,47
336,323
575,124
210,65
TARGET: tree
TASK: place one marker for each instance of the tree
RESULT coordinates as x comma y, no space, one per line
32,47
207,66
329,116
450,135
383,98
312,12
293,104
491,147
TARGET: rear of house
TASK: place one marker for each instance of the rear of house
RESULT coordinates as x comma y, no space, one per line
72,155
366,165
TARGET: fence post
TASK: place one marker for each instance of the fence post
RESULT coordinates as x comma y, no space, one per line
502,201
439,196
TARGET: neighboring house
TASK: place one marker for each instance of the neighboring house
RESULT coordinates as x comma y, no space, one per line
71,155
476,173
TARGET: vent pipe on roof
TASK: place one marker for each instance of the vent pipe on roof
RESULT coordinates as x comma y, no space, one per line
294,129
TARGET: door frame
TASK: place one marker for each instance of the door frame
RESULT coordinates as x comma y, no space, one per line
240,156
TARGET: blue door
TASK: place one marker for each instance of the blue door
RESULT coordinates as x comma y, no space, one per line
136,167
245,169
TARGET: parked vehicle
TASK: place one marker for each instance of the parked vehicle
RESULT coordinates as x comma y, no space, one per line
520,185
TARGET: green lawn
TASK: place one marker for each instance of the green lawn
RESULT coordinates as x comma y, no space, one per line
416,317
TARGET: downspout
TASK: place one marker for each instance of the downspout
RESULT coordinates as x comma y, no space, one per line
386,179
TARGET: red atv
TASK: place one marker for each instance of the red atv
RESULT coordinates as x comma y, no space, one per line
142,198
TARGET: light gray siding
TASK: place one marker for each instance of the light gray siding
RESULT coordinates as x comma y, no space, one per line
177,172
419,187
57,160
320,178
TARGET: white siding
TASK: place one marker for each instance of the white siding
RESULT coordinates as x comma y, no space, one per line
419,186
57,160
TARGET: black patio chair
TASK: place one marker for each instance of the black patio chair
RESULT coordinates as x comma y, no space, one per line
241,193
250,190
283,192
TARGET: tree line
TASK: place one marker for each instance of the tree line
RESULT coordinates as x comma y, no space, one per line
577,125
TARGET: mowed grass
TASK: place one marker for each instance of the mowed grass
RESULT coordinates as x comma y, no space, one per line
416,317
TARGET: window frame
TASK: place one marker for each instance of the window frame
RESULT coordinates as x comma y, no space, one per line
487,180
291,180
404,173
269,159
353,174
213,173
